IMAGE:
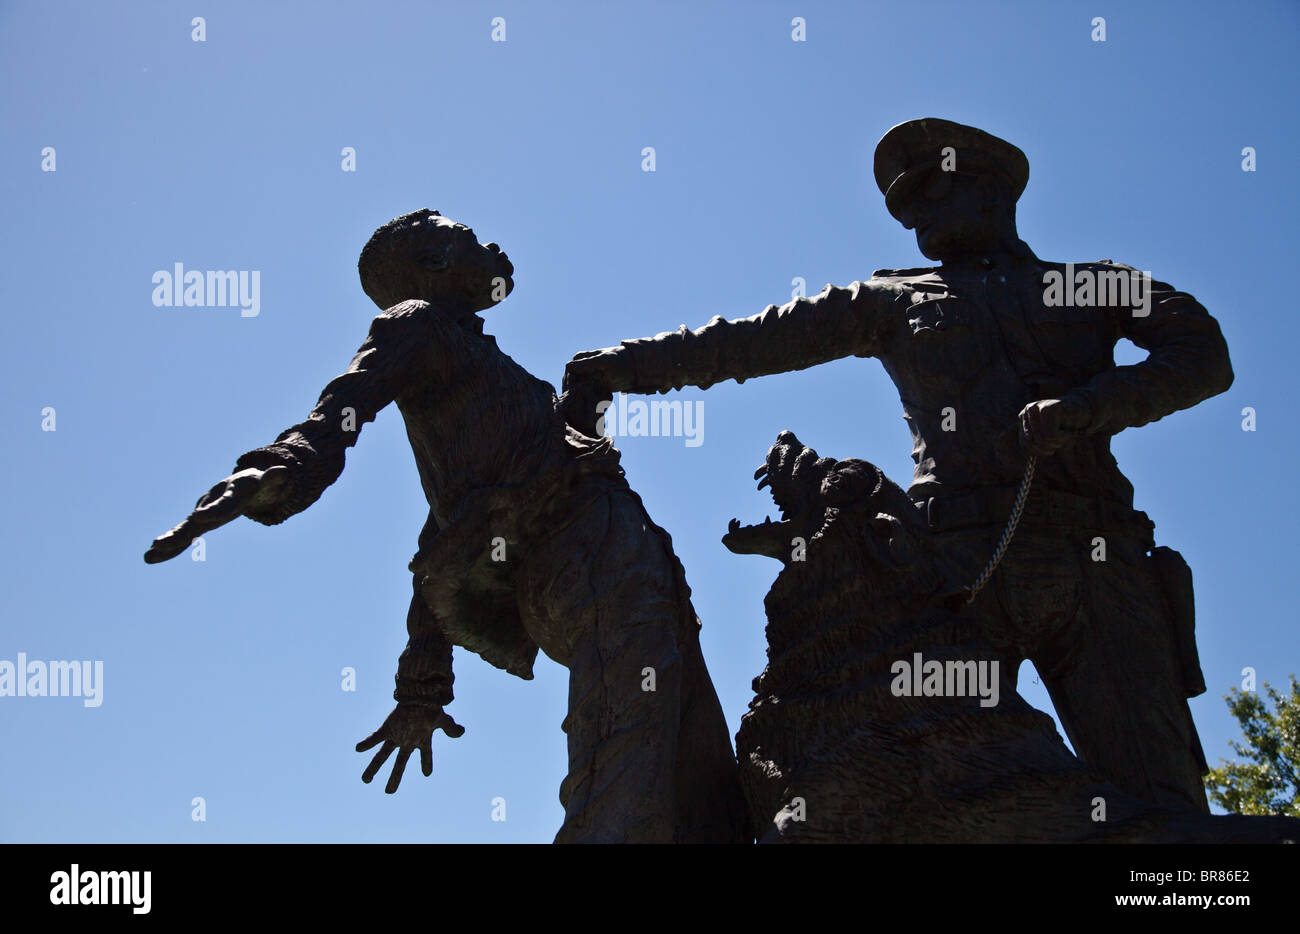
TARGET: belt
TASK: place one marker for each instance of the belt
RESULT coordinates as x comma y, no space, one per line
1043,508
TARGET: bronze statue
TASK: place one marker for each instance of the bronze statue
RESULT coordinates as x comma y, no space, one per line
884,714
533,538
1004,364
1016,539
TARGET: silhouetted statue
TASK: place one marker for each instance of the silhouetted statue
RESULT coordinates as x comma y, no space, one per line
885,715
1005,368
533,539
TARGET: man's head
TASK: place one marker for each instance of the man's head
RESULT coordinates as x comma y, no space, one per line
426,256
955,185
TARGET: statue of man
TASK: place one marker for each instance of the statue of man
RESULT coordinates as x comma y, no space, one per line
1000,357
533,539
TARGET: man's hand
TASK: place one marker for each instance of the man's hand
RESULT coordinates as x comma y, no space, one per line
1048,424
408,728
589,379
223,503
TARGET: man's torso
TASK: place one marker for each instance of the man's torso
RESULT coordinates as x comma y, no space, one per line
967,351
478,419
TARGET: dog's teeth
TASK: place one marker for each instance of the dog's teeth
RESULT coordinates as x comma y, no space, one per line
733,525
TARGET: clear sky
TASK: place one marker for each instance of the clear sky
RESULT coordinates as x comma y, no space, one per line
222,678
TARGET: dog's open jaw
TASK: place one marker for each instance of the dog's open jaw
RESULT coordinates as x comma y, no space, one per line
793,473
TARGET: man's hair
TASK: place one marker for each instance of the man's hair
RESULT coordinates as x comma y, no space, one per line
385,267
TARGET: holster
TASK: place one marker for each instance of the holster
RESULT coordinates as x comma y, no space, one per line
1175,579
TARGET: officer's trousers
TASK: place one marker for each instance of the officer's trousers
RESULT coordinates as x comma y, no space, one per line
1093,618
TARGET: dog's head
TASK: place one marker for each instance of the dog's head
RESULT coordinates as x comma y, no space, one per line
808,491
813,494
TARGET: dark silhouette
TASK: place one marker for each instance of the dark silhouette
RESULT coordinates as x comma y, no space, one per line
839,746
534,538
1005,368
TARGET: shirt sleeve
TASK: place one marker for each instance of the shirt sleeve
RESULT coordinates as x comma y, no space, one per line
313,450
1187,362
836,323
424,674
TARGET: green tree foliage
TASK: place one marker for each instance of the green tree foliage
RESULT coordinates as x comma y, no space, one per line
1268,781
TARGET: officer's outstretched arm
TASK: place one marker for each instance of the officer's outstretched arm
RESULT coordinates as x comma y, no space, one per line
838,322
1187,363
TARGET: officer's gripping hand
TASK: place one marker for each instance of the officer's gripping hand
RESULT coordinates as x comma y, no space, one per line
248,489
408,728
1046,425
590,378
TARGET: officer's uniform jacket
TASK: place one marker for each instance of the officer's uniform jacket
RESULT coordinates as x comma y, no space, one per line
967,350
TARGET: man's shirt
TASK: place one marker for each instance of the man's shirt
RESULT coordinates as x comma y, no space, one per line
474,417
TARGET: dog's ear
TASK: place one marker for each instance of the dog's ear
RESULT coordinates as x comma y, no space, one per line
849,482
889,542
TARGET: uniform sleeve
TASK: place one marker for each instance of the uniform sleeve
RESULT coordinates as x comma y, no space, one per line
1187,363
838,322
313,450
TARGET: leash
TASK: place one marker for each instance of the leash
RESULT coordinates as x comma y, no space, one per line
1007,534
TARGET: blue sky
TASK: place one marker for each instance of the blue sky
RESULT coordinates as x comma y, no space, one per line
222,677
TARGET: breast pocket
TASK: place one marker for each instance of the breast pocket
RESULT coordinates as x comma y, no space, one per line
947,339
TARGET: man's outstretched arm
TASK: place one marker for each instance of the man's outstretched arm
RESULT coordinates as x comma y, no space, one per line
314,448
837,322
272,483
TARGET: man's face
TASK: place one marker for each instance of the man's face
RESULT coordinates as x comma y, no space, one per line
954,215
456,267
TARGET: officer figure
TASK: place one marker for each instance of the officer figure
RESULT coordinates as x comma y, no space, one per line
998,357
